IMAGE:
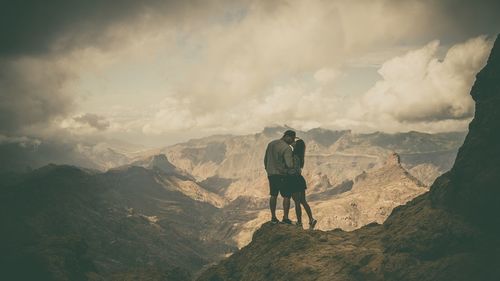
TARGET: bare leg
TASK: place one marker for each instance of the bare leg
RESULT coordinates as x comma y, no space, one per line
286,207
298,209
306,206
272,205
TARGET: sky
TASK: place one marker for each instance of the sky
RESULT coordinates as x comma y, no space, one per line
159,72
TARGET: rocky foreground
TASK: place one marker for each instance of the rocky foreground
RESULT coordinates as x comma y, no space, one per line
449,233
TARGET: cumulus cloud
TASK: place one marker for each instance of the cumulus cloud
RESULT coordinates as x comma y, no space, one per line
420,90
247,58
418,87
297,104
249,72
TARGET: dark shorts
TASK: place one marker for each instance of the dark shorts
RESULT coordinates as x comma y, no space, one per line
296,183
277,184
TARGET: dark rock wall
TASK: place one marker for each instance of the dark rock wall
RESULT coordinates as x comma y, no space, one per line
474,187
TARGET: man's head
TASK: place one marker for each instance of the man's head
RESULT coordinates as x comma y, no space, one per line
289,136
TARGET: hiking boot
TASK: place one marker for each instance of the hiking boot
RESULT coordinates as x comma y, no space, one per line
286,221
312,224
275,220
299,224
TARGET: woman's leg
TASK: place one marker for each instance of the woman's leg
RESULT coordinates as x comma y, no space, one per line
298,209
302,197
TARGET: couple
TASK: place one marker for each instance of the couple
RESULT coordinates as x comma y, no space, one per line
283,162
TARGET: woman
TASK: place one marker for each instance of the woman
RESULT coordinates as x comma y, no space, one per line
298,184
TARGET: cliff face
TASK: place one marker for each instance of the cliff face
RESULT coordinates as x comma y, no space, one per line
474,189
449,233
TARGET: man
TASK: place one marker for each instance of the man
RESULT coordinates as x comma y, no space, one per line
277,161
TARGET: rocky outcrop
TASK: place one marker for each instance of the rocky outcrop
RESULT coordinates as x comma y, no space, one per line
449,233
373,196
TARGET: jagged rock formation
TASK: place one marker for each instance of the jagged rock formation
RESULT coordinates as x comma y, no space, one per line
373,196
449,233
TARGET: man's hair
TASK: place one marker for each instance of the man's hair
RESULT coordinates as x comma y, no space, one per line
289,133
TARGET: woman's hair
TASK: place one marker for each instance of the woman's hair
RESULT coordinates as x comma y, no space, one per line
300,151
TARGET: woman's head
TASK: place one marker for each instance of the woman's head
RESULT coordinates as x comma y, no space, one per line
300,151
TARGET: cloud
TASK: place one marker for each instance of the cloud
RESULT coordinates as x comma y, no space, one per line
34,28
45,47
33,91
171,116
227,64
326,75
24,142
284,104
418,91
93,120
454,15
241,67
245,59
419,88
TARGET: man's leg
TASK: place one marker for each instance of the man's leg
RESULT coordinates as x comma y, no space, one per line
286,194
274,185
298,208
272,206
286,207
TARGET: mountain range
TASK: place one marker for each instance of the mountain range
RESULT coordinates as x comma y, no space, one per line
332,157
66,223
176,214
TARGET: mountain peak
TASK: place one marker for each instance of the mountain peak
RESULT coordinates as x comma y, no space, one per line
393,159
160,162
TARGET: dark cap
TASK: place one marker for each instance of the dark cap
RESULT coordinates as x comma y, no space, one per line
289,133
